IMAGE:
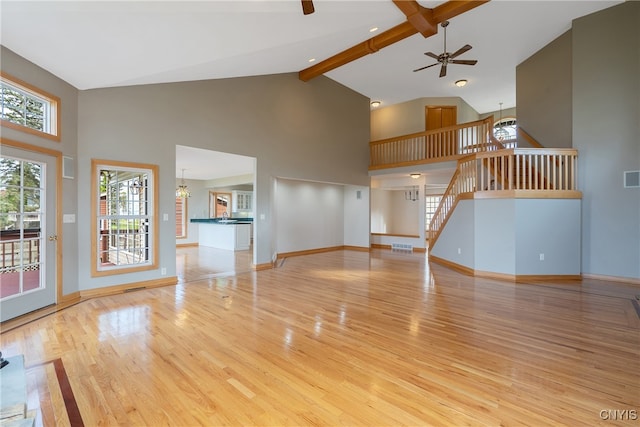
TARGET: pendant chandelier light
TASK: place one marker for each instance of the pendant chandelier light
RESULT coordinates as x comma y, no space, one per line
182,191
501,133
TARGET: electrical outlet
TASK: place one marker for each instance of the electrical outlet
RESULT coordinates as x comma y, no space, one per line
541,257
459,251
163,271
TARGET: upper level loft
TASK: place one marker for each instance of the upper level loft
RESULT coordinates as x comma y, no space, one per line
486,167
438,145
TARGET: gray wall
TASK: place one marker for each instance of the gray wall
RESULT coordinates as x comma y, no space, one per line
544,95
507,236
30,73
606,131
317,131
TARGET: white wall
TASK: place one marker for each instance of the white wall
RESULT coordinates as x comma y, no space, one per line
381,211
392,213
356,216
309,215
405,217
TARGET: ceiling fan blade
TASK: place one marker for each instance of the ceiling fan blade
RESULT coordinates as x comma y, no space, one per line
463,61
307,7
443,70
433,55
422,68
460,51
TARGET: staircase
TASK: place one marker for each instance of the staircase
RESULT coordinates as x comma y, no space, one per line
486,167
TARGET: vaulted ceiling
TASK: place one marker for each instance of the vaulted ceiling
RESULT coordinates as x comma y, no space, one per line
93,44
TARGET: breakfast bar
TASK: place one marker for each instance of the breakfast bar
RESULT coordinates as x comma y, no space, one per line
230,234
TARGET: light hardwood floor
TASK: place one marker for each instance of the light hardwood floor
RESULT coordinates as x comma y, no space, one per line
345,338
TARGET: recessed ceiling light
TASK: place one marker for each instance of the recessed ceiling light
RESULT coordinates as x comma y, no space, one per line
312,59
375,104
461,83
373,29
415,175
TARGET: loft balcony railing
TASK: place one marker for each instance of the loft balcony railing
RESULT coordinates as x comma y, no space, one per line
444,144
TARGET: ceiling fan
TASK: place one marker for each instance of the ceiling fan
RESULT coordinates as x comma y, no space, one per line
307,7
446,58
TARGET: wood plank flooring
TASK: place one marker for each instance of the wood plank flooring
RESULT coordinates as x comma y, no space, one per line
347,338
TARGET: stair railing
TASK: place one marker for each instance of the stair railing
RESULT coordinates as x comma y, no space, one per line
508,173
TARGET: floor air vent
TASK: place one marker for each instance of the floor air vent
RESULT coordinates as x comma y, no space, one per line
401,247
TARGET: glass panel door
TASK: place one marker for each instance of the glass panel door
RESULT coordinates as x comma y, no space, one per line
27,212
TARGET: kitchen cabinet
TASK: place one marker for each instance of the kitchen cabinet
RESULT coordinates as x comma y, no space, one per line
229,234
242,201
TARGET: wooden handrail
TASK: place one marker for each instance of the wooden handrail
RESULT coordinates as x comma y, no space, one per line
525,135
509,173
444,144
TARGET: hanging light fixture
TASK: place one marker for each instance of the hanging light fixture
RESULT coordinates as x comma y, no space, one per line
136,186
411,194
501,133
182,191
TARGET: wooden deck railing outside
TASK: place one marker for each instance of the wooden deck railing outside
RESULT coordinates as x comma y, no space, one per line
509,173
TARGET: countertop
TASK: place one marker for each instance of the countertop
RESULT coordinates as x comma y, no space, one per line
221,221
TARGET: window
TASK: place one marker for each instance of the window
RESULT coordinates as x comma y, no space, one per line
432,203
29,109
181,217
505,129
124,213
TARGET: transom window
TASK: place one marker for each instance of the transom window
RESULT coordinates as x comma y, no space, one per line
505,129
27,108
125,217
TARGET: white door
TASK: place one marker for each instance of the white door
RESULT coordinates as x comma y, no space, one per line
28,228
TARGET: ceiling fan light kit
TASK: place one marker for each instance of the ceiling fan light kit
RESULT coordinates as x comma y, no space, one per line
446,58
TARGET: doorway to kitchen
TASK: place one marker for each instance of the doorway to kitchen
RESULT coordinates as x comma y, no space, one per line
221,194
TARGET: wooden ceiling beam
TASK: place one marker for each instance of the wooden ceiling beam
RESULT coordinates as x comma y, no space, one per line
454,8
423,20
389,37
419,16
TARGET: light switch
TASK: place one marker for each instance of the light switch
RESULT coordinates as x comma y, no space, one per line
165,217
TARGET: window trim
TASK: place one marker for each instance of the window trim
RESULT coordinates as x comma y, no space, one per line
54,120
96,165
185,216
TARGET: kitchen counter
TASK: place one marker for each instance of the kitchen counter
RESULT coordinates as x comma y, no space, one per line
222,221
230,234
